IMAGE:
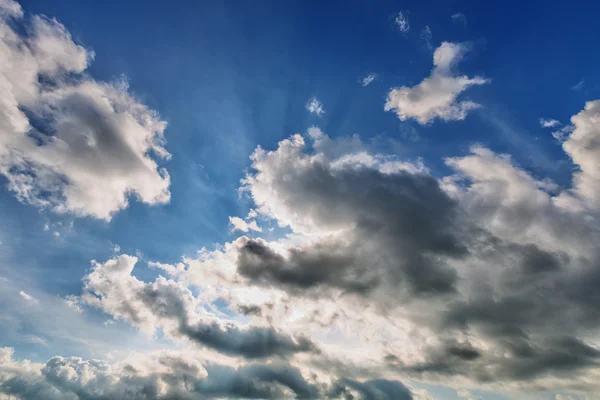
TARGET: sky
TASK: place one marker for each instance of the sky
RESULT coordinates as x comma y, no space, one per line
299,199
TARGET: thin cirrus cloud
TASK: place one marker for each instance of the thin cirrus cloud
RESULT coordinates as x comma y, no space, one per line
459,18
437,95
72,145
367,80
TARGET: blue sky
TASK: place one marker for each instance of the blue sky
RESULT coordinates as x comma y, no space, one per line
228,77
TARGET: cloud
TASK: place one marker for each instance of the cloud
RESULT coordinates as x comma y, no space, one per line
28,297
436,96
70,143
314,106
583,146
366,81
577,87
176,375
459,18
493,274
169,305
401,21
548,123
239,224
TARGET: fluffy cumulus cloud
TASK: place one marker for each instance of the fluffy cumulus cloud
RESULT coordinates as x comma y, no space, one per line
177,375
239,224
67,142
437,95
583,146
171,306
484,278
487,273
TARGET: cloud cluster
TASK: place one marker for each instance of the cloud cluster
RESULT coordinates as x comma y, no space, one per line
486,273
176,375
67,142
436,96
171,306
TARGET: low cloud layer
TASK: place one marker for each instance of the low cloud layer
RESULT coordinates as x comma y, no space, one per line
67,142
437,95
176,375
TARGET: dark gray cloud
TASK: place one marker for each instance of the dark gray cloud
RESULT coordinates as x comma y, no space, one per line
377,389
487,255
255,342
399,228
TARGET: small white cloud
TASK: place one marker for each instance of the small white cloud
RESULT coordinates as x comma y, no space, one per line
426,35
548,122
314,106
436,96
46,228
459,18
239,224
401,21
28,297
368,79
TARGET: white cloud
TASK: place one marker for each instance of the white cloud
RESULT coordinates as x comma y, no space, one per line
401,21
314,106
436,96
28,297
239,224
103,139
548,123
583,146
368,79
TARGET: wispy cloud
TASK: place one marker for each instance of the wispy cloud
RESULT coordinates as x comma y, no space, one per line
548,122
459,18
368,79
427,36
578,86
401,21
